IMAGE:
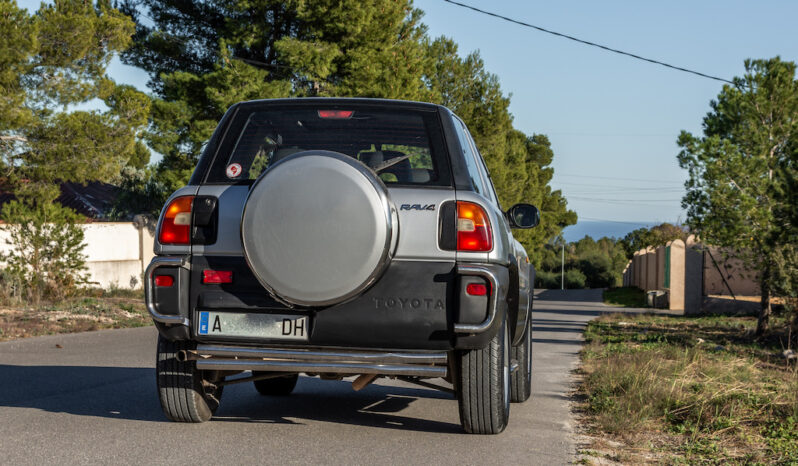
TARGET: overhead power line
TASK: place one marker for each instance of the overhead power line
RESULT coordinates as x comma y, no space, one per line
593,219
592,44
620,185
621,178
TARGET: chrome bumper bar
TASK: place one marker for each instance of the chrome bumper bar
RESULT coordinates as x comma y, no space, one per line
487,274
149,293
419,364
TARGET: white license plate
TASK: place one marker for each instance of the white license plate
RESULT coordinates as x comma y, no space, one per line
242,324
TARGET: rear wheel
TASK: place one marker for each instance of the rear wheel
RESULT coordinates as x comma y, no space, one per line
278,386
186,393
521,387
484,386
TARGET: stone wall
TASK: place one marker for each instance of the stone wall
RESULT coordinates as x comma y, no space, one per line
687,273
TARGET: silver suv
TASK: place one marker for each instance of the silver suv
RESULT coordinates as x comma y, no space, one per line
341,238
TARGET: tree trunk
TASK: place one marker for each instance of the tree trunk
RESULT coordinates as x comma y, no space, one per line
764,312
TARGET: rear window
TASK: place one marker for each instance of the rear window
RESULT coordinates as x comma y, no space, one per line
404,147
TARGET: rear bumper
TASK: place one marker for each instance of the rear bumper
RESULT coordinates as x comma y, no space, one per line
416,305
319,361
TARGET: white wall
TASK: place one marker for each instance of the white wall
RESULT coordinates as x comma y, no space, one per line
116,252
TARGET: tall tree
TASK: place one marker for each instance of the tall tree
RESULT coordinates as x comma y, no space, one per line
519,165
50,61
205,55
742,169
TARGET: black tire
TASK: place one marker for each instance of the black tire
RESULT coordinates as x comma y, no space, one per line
521,379
483,392
186,394
280,386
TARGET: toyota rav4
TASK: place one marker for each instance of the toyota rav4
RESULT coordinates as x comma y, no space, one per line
341,238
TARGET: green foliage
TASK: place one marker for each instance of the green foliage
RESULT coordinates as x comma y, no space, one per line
49,61
46,257
599,263
625,297
519,165
547,280
204,56
654,236
575,279
742,171
52,59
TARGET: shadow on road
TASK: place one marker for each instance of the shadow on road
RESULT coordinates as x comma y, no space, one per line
130,394
336,402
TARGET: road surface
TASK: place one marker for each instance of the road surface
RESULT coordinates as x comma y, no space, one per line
91,398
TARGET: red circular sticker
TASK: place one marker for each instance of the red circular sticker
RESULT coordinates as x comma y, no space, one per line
234,170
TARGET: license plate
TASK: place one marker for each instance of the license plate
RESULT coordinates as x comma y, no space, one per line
242,324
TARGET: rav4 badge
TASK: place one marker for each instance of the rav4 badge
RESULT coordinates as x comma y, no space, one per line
417,207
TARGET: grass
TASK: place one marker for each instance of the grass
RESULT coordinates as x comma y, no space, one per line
625,297
690,390
96,311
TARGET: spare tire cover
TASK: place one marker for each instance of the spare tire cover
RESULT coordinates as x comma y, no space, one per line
318,228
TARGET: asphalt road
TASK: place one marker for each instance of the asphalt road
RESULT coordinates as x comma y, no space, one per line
92,399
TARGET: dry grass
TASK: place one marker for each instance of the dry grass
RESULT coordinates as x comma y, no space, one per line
688,390
72,315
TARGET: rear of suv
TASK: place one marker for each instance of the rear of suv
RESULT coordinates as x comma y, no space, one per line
341,238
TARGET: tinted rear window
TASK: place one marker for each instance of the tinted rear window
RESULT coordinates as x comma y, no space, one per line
404,147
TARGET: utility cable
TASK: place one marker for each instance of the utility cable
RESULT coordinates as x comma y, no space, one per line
592,44
593,219
620,178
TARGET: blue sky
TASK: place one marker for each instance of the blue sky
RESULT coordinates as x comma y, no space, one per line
610,116
612,120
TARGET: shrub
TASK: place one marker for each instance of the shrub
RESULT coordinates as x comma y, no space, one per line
46,258
548,280
574,279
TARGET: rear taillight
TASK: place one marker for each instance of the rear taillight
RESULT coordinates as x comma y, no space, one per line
473,228
176,226
217,276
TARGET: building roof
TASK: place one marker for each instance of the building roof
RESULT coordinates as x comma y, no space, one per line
94,200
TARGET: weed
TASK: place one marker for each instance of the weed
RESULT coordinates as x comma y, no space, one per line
702,389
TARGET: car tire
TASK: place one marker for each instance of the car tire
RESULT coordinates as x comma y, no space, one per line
279,386
483,392
521,379
186,393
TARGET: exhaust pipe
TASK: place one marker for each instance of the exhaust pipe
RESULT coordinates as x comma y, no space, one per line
363,380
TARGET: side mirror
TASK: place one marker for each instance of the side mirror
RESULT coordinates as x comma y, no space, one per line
523,216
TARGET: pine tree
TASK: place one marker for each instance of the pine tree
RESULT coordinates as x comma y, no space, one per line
204,56
519,165
742,172
50,61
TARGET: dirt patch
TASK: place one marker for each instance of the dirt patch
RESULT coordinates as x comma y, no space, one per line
73,315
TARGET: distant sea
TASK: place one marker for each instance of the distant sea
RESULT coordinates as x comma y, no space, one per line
597,229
